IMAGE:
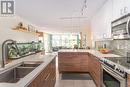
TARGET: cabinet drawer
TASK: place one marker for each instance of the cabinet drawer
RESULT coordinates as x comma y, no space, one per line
84,68
69,65
70,61
45,78
73,61
69,68
84,63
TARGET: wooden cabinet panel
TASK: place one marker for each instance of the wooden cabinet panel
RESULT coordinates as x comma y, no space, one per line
80,62
69,69
84,63
73,61
67,60
128,80
95,70
46,78
84,68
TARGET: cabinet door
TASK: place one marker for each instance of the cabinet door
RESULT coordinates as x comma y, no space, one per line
69,61
95,70
84,63
126,6
73,62
39,81
128,80
46,78
53,74
118,6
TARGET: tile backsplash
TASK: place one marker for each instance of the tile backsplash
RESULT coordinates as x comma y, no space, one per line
120,47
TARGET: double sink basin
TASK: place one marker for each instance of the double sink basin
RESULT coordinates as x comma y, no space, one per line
14,74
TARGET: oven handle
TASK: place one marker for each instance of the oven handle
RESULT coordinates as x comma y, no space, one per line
113,73
127,27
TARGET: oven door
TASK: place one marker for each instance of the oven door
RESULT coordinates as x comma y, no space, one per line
112,79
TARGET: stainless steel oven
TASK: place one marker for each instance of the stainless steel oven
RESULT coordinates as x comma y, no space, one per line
112,78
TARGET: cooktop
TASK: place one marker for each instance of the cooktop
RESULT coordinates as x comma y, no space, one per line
120,60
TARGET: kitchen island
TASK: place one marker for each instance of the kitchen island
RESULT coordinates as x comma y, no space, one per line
83,61
44,74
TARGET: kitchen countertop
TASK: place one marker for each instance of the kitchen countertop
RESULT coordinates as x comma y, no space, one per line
28,78
92,51
46,59
98,55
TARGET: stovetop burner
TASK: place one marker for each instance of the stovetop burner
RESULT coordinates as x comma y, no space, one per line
120,60
116,64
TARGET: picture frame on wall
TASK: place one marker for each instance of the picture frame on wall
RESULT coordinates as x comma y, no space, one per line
31,28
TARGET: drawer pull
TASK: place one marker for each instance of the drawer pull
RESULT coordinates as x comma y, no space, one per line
47,77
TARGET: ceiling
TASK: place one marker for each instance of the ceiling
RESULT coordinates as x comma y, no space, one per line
58,15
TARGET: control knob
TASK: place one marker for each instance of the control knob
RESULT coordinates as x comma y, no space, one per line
120,71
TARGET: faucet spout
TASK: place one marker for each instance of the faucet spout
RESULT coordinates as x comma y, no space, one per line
4,50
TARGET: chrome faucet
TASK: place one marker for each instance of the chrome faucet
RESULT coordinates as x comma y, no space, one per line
4,55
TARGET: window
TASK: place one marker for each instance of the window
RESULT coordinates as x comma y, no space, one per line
67,40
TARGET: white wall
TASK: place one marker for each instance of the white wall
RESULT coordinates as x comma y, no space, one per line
101,21
120,8
87,31
6,32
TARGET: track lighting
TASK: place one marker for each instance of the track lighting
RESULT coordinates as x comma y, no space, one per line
84,7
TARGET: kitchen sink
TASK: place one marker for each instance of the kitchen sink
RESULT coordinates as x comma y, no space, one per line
30,63
15,74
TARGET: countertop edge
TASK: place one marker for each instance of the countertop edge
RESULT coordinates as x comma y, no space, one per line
24,82
98,55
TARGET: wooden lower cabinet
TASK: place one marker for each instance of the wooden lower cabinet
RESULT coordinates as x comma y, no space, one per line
128,80
46,78
81,62
95,70
73,61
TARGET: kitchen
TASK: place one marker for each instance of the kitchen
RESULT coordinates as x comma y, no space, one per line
76,43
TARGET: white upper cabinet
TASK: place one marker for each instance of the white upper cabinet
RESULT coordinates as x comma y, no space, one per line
101,22
127,6
120,8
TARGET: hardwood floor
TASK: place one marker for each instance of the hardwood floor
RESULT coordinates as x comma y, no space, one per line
73,83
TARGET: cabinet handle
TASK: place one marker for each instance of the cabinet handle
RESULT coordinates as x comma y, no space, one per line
47,77
125,9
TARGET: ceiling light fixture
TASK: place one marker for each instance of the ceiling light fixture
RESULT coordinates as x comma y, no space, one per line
64,18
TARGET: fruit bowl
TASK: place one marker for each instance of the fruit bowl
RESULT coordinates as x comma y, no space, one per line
104,50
